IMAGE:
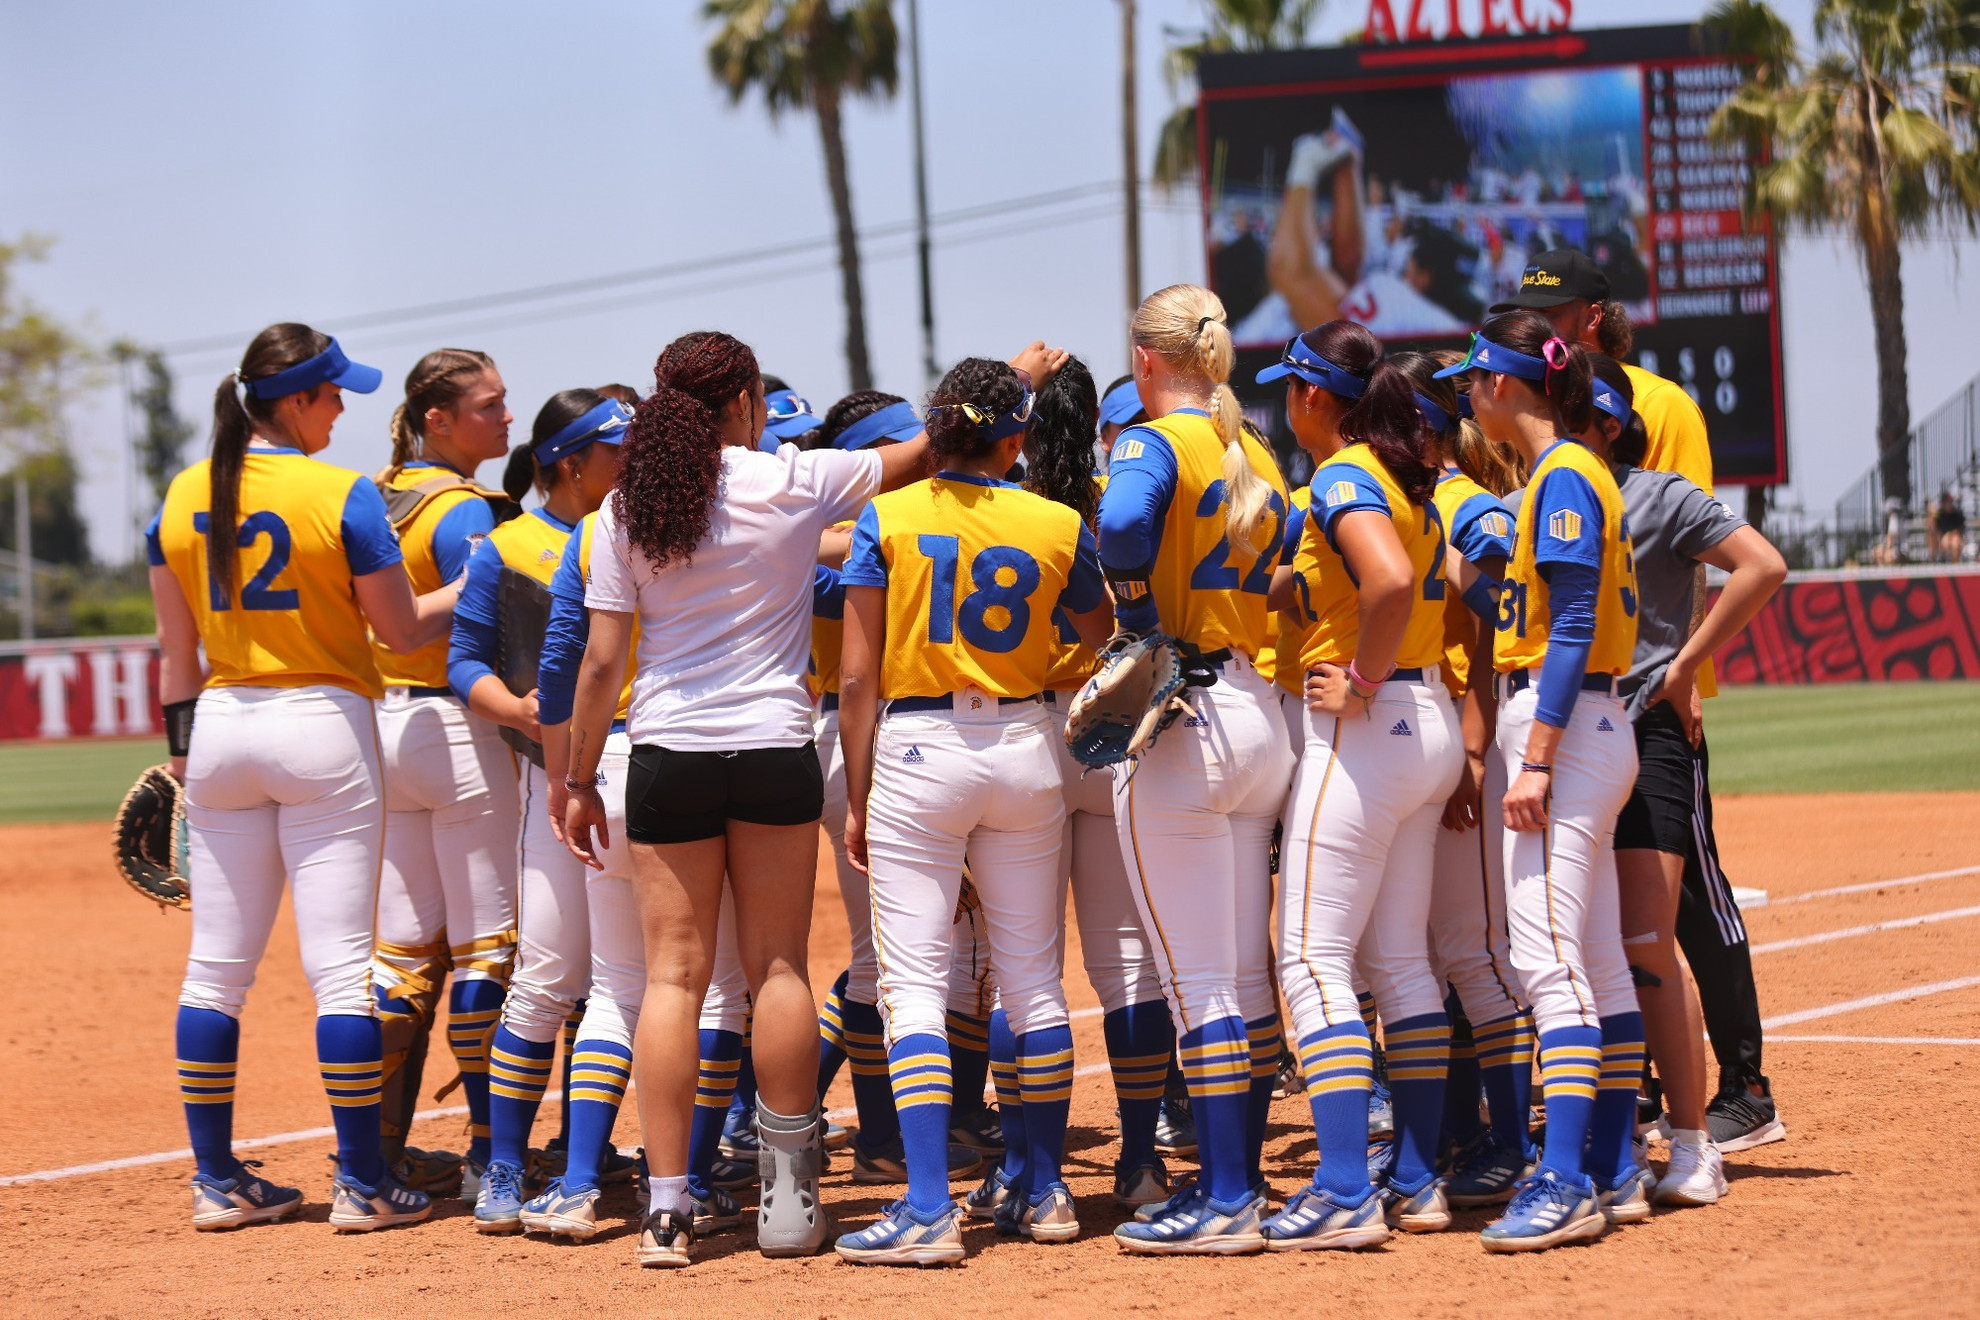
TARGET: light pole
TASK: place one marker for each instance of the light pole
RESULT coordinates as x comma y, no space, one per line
1130,166
929,369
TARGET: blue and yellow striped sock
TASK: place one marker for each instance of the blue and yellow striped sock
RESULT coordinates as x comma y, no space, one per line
570,1035
923,1088
969,1059
1216,1064
1505,1064
1262,1034
873,1093
1140,1038
832,1035
351,1052
518,1075
1461,1080
600,1070
1570,1066
1045,1077
1010,1100
746,1075
1419,1050
473,1006
721,1058
1612,1132
1338,1066
209,1046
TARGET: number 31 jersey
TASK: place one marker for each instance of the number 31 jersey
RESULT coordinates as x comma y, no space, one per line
306,530
973,569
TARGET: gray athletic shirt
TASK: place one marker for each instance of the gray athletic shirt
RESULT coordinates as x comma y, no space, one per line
1671,523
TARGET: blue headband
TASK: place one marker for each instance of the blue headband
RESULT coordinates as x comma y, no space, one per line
606,423
1434,415
1015,420
896,421
1610,400
790,415
1464,404
1300,360
329,365
1122,405
1497,359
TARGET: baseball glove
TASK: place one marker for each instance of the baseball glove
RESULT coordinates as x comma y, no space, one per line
150,839
1136,692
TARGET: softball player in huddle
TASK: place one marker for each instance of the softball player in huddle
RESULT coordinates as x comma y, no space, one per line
1566,630
951,586
572,461
447,895
273,564
1190,527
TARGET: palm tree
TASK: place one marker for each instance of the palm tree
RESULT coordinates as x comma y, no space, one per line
811,55
1877,137
1231,25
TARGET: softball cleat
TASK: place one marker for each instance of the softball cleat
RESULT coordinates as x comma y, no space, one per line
1546,1211
888,1164
242,1199
980,1131
1319,1220
1627,1201
905,1236
716,1212
1198,1226
1696,1174
355,1208
563,1212
666,1241
472,1172
1485,1174
498,1205
1143,1185
1048,1217
994,1190
1425,1210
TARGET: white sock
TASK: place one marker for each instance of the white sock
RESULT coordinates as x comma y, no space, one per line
669,1194
1688,1137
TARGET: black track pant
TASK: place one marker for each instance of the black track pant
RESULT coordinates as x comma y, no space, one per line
1712,935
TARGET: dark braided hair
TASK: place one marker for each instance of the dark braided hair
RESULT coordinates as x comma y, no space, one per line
1058,444
991,385
671,465
858,404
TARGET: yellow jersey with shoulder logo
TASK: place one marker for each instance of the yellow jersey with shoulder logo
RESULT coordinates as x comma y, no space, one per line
437,544
1289,631
532,545
306,530
1355,480
973,569
1480,529
1572,514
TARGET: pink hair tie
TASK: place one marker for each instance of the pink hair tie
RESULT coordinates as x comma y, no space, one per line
1555,353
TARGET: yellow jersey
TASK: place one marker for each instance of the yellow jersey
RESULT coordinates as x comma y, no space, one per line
1572,513
973,569
1479,528
828,629
1204,590
1674,426
1355,480
437,544
306,530
1289,632
1073,661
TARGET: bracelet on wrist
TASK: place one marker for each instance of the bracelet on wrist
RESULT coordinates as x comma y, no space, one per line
579,785
1536,768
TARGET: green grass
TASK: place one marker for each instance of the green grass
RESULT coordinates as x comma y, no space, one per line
1845,738
80,780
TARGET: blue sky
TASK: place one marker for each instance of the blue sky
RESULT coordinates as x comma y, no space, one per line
209,168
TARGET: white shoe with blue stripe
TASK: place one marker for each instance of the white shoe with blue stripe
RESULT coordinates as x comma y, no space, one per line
991,1193
563,1212
355,1208
1546,1211
1486,1174
1425,1210
905,1236
1318,1220
498,1201
1196,1225
1628,1201
242,1199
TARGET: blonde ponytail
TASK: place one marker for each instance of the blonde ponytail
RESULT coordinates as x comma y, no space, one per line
1184,325
405,444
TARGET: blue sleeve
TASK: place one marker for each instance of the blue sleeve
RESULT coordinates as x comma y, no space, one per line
568,580
1086,588
1342,488
1571,589
864,566
476,643
369,541
1568,520
153,551
450,536
1295,529
828,594
1141,480
1482,598
563,648
1482,529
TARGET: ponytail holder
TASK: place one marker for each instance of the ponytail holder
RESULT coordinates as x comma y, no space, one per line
1206,320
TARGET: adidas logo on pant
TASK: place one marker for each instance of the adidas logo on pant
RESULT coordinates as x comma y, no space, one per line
1401,730
914,757
1603,725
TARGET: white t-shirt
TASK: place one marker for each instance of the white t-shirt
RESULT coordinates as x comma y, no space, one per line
725,638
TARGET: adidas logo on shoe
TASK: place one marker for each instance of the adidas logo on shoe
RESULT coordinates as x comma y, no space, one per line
914,757
1401,730
1603,725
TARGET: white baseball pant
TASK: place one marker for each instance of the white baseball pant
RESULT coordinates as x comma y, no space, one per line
1119,963
553,923
282,785
1194,817
1468,941
1563,910
1292,709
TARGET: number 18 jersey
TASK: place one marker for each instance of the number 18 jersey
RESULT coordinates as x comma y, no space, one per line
973,569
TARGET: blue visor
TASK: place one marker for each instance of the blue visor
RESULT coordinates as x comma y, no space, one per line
1301,361
1464,404
606,423
1610,400
1122,405
790,415
330,365
1497,359
1434,415
896,421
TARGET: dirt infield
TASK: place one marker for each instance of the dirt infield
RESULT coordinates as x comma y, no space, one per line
1864,1208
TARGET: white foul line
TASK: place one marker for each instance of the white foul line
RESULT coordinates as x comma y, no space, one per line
1869,1001
1868,885
1878,1040
1896,923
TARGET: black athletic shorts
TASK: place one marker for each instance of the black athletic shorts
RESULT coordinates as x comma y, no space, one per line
1661,809
680,797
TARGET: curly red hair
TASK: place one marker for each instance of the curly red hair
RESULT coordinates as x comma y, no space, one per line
671,464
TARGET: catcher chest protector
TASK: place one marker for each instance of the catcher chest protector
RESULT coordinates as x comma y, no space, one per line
403,503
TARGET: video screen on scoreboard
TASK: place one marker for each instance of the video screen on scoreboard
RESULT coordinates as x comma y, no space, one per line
1411,199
